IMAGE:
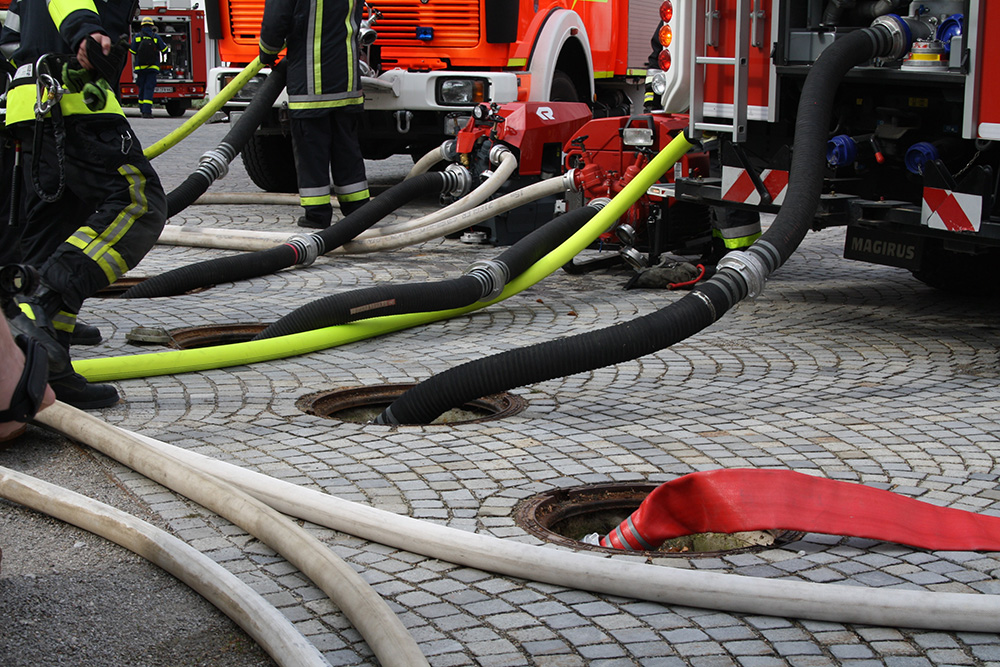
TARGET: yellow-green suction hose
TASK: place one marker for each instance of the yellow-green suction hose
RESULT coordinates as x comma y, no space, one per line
222,356
206,112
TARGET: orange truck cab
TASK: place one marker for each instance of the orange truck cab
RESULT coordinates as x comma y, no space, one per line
428,63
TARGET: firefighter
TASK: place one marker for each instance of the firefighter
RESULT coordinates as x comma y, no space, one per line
324,99
146,49
92,204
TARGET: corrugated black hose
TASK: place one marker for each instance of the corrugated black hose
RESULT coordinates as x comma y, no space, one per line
483,281
744,274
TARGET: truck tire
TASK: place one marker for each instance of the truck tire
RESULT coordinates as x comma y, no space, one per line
563,89
177,108
270,163
959,272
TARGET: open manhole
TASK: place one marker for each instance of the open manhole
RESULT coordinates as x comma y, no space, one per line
122,285
565,516
190,338
361,405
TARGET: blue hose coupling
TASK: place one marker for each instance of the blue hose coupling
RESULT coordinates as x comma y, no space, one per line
918,155
749,267
307,248
492,275
841,150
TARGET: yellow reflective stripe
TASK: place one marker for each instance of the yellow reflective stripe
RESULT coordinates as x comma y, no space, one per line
736,242
349,45
82,238
354,196
101,249
318,49
314,201
60,9
64,321
635,72
330,104
21,105
603,75
26,309
517,62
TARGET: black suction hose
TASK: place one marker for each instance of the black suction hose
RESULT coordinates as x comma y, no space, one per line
215,164
482,282
301,250
739,274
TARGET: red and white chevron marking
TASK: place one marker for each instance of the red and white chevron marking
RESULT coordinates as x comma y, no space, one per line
951,211
737,186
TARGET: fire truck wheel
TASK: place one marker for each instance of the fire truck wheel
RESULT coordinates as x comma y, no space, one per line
958,272
177,108
563,89
270,163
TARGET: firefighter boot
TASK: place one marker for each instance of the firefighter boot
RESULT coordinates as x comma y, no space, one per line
316,217
85,334
36,321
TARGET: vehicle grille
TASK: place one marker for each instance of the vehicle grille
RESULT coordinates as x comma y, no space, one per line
455,22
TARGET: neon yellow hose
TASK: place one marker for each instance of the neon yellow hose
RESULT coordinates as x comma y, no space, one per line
206,112
236,354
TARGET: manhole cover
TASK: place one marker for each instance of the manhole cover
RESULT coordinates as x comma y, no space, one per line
122,285
190,338
361,405
565,516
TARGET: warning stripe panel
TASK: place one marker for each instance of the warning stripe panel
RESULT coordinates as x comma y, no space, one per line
737,186
951,211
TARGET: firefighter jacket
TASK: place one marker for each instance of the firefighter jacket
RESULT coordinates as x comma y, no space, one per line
58,27
322,41
147,34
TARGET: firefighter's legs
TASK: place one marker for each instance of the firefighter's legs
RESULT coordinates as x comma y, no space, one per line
146,82
114,208
350,182
311,144
732,229
9,230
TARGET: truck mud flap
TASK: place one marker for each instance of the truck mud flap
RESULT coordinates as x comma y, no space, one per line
879,247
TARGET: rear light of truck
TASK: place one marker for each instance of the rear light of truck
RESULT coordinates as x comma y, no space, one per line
665,35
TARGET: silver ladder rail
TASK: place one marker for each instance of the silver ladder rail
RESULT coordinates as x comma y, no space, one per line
705,32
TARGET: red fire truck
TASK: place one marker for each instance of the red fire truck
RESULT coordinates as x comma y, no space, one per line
183,69
430,62
912,159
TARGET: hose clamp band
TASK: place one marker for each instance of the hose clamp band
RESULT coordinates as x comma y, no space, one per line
307,246
599,202
748,267
492,275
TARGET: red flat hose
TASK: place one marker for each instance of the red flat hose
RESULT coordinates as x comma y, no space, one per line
737,500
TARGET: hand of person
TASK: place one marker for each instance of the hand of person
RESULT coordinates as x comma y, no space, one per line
268,58
81,50
11,372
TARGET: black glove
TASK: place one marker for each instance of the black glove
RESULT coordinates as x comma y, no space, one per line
268,58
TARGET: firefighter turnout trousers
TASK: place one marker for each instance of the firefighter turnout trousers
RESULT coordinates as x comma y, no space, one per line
325,143
109,185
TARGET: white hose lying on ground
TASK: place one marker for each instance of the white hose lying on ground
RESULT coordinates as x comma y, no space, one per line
239,239
265,624
429,159
614,576
377,624
250,198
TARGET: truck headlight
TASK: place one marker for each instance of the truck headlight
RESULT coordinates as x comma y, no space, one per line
248,90
461,92
658,81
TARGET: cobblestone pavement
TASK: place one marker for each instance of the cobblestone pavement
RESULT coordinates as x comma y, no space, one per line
840,369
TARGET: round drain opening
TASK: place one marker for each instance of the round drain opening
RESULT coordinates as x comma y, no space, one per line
565,516
361,405
116,289
190,338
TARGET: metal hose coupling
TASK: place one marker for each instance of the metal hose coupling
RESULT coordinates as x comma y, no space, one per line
898,35
214,164
750,269
498,152
492,275
457,181
307,248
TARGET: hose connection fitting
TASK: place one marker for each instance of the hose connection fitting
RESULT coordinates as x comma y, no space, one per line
214,164
492,275
748,267
599,202
457,181
449,150
307,248
497,153
901,33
